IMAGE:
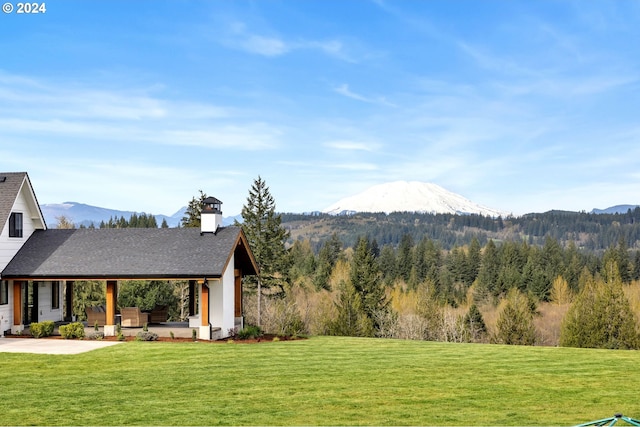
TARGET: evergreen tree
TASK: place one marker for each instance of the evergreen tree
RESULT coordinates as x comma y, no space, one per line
420,269
351,319
87,294
191,217
601,316
266,237
489,270
146,294
515,321
303,262
405,257
474,260
327,258
387,264
474,325
635,275
365,278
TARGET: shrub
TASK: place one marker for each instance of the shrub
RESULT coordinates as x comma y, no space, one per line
96,335
146,336
194,334
36,329
249,332
42,329
172,335
72,330
49,325
121,336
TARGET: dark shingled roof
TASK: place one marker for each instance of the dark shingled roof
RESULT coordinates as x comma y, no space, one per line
130,253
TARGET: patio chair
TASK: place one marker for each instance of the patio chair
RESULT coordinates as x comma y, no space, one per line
96,314
133,317
159,314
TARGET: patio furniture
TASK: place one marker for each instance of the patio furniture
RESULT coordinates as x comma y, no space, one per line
159,314
133,317
96,314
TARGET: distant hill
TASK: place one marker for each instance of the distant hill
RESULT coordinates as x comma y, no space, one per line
589,232
615,209
83,214
414,196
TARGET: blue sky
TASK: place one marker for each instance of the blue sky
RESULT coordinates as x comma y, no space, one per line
522,106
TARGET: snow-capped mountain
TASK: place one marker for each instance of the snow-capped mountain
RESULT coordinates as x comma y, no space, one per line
83,214
414,196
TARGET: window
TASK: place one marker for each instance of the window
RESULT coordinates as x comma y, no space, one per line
4,292
15,224
55,295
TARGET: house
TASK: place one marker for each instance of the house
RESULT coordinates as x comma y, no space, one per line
43,267
20,217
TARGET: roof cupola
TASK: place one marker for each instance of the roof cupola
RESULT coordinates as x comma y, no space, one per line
211,215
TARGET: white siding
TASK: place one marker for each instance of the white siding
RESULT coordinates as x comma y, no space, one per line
221,301
9,246
45,312
6,312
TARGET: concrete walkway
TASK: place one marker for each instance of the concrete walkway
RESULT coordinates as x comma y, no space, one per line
49,346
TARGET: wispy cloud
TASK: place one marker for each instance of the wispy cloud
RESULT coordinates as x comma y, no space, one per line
352,145
43,108
355,166
274,45
344,90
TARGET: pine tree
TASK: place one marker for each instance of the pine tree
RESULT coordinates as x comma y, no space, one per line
266,237
327,258
405,257
87,294
351,319
489,270
474,324
601,316
366,280
474,260
515,321
193,212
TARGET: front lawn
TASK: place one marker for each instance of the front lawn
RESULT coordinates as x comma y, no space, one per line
320,381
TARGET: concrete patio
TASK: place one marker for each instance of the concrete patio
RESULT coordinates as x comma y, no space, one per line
44,346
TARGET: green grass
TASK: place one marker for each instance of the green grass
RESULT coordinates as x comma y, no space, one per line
320,381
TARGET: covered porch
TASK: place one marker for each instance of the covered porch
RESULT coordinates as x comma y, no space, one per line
213,264
204,310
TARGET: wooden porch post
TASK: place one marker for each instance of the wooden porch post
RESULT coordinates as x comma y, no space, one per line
112,295
204,305
68,300
17,303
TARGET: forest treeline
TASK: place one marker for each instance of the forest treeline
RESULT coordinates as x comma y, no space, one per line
509,292
588,231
